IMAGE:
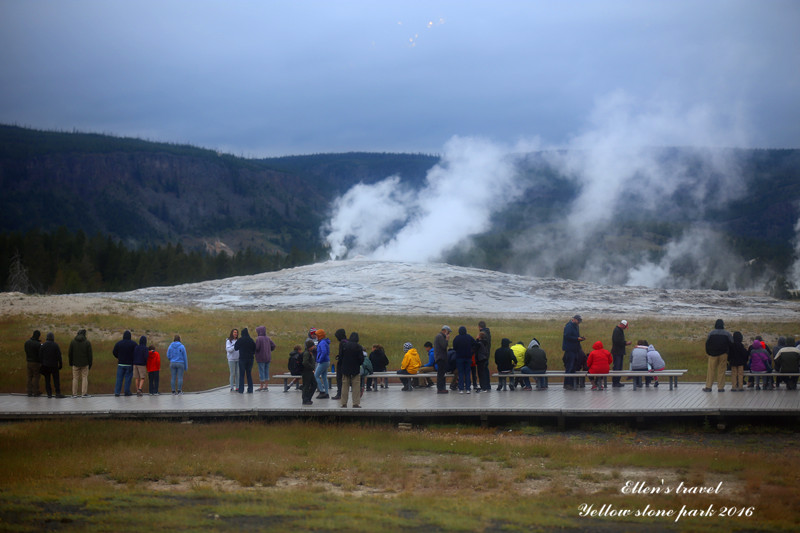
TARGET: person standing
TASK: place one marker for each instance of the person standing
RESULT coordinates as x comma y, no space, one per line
379,363
264,347
178,364
51,365
618,344
341,336
309,364
34,361
80,359
718,348
487,334
350,362
233,359
462,344
482,362
323,358
246,347
440,358
571,344
153,370
737,358
140,354
123,351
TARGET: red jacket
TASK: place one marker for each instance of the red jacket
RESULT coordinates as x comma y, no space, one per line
599,360
153,361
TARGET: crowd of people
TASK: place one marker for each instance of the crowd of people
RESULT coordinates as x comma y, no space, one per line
465,359
728,351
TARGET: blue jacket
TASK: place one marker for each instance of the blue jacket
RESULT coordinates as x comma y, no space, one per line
462,344
176,353
324,351
570,343
123,350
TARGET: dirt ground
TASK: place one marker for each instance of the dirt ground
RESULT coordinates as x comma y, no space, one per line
15,303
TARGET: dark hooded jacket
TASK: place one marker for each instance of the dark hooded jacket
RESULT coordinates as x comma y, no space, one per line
32,347
141,352
462,344
123,350
719,341
51,353
738,355
80,350
535,357
352,356
504,357
246,347
340,336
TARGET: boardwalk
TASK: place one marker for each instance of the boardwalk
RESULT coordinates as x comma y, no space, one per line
395,405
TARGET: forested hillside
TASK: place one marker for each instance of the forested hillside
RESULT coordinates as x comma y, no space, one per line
96,212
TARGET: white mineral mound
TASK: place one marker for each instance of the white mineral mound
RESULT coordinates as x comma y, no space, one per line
368,286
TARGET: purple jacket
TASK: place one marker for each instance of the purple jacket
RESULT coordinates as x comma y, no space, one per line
264,345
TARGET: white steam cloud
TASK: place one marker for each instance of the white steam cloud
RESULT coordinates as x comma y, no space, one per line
387,221
619,165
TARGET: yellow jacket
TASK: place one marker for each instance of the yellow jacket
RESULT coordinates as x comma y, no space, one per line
519,353
411,362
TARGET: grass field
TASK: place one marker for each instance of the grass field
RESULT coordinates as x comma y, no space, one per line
681,342
107,475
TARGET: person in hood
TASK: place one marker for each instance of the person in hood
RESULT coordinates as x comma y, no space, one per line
655,363
51,365
760,364
350,363
441,359
462,344
140,354
34,362
519,352
410,365
738,359
264,347
534,362
246,347
178,364
323,358
718,347
80,359
505,360
787,360
123,351
599,361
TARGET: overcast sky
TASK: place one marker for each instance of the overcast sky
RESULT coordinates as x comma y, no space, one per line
278,77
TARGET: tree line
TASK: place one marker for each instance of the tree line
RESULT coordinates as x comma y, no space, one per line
62,262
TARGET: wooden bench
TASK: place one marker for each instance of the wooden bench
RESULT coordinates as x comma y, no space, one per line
758,375
288,377
672,375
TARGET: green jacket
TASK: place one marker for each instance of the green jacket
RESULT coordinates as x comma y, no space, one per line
80,350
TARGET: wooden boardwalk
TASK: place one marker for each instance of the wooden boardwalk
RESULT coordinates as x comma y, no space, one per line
393,404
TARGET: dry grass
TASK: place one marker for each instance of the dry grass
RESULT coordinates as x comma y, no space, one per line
297,474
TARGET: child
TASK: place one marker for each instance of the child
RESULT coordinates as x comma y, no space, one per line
737,359
295,367
153,369
759,363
